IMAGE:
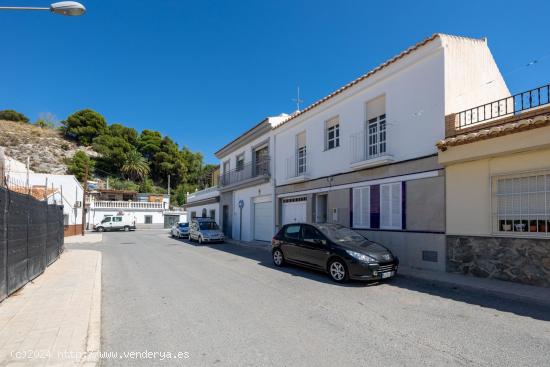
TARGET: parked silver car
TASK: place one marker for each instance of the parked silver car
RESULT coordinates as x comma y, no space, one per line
205,230
180,230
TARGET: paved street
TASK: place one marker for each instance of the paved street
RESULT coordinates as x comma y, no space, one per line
226,305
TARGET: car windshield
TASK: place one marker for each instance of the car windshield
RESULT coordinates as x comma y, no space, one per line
208,225
341,234
184,225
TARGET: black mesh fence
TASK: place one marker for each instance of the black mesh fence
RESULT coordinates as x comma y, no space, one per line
31,238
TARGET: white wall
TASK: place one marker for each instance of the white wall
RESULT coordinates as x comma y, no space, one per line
96,215
413,90
198,209
445,75
249,195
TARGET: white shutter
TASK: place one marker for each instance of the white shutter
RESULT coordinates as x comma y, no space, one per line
390,206
396,206
385,215
361,207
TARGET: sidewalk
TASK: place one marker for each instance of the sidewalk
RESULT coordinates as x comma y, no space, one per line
89,237
55,319
511,290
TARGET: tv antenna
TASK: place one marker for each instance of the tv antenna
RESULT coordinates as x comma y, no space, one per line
297,100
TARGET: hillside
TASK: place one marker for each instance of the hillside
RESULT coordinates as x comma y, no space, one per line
46,148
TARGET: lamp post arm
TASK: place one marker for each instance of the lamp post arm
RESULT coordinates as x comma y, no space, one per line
21,8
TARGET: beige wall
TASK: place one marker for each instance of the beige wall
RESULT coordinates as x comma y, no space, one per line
468,181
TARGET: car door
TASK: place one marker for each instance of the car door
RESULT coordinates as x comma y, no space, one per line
313,249
291,240
106,223
116,223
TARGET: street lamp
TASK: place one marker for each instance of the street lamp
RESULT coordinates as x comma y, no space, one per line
71,8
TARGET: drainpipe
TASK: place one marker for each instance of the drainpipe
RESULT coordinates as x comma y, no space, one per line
273,183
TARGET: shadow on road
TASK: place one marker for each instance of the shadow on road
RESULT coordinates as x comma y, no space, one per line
479,298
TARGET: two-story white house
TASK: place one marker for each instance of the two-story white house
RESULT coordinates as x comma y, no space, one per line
364,156
246,187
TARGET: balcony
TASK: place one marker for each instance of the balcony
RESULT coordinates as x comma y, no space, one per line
362,156
127,205
248,173
207,193
470,119
298,167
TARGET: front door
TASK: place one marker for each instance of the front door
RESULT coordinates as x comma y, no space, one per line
225,221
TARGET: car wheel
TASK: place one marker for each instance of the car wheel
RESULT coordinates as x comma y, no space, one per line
200,240
126,229
278,258
100,229
338,271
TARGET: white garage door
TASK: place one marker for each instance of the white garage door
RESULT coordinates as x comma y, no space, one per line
263,221
294,210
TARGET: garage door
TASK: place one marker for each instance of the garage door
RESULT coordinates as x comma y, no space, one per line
263,221
294,210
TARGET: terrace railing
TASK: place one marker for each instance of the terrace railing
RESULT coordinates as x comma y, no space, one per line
506,106
245,172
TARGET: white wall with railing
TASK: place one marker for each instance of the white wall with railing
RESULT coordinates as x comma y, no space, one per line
133,205
210,192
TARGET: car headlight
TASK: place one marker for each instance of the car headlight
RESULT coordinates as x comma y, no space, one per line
361,257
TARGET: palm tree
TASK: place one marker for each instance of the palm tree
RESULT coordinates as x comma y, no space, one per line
135,167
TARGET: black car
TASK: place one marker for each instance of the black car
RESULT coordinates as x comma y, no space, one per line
340,251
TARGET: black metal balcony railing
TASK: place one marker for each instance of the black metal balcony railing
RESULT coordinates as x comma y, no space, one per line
507,106
247,171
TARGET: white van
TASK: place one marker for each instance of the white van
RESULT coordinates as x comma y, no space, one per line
116,223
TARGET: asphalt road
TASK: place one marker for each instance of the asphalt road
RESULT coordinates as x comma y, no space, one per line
226,305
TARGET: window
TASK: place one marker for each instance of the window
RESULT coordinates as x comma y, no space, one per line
148,219
377,136
376,127
117,219
332,133
213,214
390,206
293,232
361,207
240,162
301,153
203,213
521,203
310,234
261,160
193,215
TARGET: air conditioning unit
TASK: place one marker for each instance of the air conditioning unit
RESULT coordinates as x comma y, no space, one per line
78,204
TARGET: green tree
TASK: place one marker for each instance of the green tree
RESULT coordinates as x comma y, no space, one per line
119,184
135,167
84,126
12,115
127,133
78,163
149,143
113,152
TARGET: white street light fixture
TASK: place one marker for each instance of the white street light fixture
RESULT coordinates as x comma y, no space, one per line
70,8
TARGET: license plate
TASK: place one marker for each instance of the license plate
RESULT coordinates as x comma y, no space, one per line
388,274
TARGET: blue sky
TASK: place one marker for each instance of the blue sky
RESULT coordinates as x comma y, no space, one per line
205,71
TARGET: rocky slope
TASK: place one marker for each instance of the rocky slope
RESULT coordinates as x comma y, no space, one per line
47,148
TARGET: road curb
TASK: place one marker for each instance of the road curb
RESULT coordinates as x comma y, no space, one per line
93,339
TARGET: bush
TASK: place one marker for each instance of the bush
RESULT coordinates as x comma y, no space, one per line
78,163
12,115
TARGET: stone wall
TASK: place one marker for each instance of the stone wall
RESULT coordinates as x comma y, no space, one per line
522,260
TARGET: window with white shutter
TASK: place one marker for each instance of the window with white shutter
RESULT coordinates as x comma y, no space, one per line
361,207
390,206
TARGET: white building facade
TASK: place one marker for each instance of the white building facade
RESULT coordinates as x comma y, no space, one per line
246,187
204,204
364,156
